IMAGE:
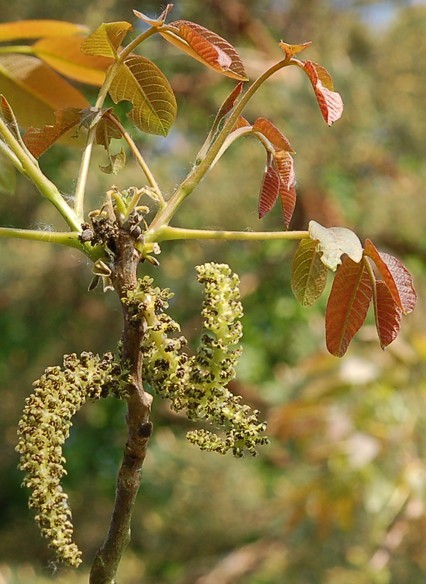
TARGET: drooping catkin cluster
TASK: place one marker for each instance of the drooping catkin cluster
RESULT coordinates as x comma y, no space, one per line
43,429
198,384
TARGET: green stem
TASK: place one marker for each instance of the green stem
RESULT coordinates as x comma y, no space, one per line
167,233
103,92
198,172
31,169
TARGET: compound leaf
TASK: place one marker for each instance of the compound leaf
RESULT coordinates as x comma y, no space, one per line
396,277
329,101
205,46
308,275
142,83
106,39
347,305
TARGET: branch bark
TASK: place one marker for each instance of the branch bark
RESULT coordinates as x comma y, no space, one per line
107,559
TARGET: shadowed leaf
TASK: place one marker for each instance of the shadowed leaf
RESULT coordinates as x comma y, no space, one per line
329,101
142,83
7,176
106,39
207,47
396,277
105,131
65,55
273,134
347,305
154,21
291,50
9,117
308,275
388,315
34,91
333,242
34,29
116,163
269,189
38,140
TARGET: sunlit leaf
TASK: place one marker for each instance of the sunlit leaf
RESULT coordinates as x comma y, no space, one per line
388,314
241,123
116,163
273,134
207,47
9,117
154,21
333,242
33,29
38,140
396,277
34,91
65,55
347,305
285,165
309,275
142,83
7,176
329,101
269,189
106,39
291,50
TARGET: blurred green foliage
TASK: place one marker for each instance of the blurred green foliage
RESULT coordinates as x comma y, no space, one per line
339,495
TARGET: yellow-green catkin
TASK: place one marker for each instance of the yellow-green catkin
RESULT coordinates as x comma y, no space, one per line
42,431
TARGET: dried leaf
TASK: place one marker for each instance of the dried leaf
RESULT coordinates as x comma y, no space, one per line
269,189
333,242
33,29
396,277
347,305
157,22
329,101
106,39
116,163
388,314
207,47
106,130
291,50
34,91
273,134
38,140
142,83
64,54
309,275
285,165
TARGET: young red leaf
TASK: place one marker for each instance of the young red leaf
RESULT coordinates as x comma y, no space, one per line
347,305
285,165
205,46
273,134
395,275
241,123
157,22
38,140
106,39
308,274
388,314
269,190
291,50
329,101
9,117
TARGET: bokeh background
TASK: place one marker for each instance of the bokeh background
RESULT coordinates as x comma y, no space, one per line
339,495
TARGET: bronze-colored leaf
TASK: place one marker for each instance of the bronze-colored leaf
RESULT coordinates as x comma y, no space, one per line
106,130
34,29
308,275
38,140
285,165
273,134
269,189
64,54
329,101
395,275
388,314
142,83
291,50
347,305
9,117
106,39
241,123
207,47
34,91
157,22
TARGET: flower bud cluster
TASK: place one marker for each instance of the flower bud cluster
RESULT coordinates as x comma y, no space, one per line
198,384
42,431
